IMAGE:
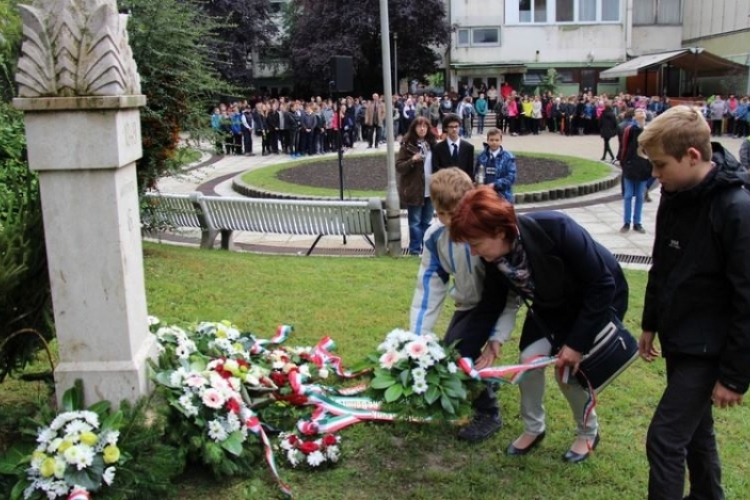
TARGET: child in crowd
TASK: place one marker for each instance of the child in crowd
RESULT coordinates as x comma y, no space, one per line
473,323
496,166
697,302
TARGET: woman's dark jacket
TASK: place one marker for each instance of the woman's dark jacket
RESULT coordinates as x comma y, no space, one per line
698,292
577,281
608,124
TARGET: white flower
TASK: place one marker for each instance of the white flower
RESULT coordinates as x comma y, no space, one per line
213,399
251,379
91,417
177,376
76,427
291,455
333,453
233,422
426,361
54,445
304,370
160,349
278,365
153,320
182,351
224,345
231,365
419,387
416,348
389,359
109,476
436,352
110,437
285,444
79,455
388,345
60,466
46,435
323,373
418,373
186,401
315,458
452,368
216,431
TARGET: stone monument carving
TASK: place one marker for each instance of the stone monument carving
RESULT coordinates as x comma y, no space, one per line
80,93
75,48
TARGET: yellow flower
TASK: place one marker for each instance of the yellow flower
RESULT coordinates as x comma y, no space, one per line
111,454
38,455
89,438
47,468
64,446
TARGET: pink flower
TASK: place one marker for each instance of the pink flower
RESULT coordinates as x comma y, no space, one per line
213,399
389,359
416,348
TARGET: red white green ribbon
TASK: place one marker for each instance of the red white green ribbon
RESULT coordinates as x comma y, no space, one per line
253,425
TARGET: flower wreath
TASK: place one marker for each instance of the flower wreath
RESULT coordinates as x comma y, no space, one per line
313,453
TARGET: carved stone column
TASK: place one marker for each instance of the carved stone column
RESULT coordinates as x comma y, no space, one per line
80,91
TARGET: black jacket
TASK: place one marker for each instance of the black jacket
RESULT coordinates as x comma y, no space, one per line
577,281
442,158
698,292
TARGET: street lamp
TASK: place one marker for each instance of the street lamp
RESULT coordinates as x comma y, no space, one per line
395,63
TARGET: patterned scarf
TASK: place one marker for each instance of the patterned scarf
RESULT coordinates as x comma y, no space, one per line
515,267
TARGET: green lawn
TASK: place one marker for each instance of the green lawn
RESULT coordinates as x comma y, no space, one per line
582,171
357,301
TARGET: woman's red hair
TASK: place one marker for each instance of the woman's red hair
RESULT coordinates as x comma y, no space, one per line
482,213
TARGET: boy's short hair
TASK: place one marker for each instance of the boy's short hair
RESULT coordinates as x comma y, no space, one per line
451,118
675,131
448,186
494,131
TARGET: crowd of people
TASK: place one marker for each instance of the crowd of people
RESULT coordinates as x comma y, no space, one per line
698,290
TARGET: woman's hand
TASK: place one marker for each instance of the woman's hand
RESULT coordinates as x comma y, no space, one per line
490,353
417,157
646,346
569,357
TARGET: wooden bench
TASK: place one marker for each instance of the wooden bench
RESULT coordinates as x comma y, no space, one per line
215,215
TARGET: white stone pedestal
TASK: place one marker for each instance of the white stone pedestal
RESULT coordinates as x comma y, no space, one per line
85,150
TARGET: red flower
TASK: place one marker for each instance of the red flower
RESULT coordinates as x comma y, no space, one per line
279,379
293,399
308,447
243,363
329,440
233,405
292,439
223,373
252,422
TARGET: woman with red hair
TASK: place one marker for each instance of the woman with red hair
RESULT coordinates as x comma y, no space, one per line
572,283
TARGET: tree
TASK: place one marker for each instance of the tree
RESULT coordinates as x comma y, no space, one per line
319,29
10,43
245,25
170,41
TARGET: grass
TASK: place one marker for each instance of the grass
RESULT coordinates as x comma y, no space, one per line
582,171
358,301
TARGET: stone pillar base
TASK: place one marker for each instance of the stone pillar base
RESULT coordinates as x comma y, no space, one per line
109,380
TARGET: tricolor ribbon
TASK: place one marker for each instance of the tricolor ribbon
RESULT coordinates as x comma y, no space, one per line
253,425
322,355
507,374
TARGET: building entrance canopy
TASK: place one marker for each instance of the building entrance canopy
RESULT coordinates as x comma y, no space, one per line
693,59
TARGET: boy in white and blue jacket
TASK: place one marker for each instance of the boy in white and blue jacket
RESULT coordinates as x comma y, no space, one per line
496,166
477,317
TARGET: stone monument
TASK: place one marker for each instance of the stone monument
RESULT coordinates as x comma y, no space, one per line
80,92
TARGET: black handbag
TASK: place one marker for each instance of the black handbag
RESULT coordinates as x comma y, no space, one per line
613,351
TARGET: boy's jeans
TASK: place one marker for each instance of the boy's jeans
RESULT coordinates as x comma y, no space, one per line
633,189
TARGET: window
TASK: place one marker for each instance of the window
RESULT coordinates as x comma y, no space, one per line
657,11
484,36
534,77
472,37
610,10
565,11
587,10
532,11
463,38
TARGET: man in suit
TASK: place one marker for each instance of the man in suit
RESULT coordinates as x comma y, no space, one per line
453,151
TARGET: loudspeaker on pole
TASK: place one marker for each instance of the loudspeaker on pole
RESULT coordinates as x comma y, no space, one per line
342,73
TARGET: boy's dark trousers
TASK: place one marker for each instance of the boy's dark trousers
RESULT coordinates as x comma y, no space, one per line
682,430
472,328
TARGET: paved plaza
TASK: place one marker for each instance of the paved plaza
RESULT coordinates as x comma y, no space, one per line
600,213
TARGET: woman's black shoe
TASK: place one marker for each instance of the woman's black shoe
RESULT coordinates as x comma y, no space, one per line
517,452
574,458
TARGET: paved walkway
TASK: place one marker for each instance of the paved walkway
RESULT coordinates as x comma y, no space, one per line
601,213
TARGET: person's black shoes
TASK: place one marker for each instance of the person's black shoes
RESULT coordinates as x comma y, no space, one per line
517,452
573,458
639,229
482,426
625,228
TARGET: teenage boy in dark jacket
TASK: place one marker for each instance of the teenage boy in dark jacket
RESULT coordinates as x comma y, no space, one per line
697,302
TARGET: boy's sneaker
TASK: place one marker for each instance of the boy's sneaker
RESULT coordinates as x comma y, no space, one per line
482,426
639,229
625,228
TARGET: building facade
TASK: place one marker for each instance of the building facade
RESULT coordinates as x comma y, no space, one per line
518,40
